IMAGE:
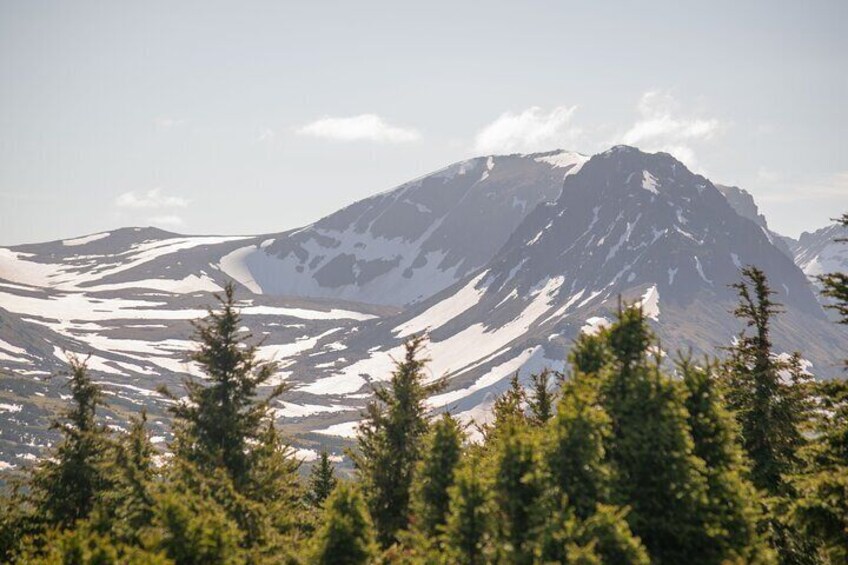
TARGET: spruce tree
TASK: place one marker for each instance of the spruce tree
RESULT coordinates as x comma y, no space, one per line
225,415
345,535
435,476
518,488
575,451
770,411
467,538
542,398
66,486
651,450
729,509
322,479
390,442
508,409
127,507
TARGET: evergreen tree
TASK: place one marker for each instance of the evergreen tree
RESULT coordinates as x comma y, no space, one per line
507,410
821,507
127,507
345,535
541,401
390,442
651,451
729,504
467,538
322,479
517,492
435,476
65,487
574,448
590,353
224,418
770,411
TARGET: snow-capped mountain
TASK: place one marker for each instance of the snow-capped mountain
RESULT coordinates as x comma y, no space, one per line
405,245
503,259
627,224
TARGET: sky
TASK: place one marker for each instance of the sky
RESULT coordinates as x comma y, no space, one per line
256,117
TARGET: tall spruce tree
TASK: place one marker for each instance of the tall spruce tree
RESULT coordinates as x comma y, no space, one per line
542,399
770,410
467,538
518,488
66,486
575,452
651,450
225,416
730,509
390,442
345,535
322,479
435,476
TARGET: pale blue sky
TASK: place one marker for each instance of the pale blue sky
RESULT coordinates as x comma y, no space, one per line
254,117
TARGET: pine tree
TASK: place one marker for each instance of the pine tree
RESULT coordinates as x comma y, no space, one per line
770,411
65,487
517,492
729,510
345,536
541,401
322,479
590,353
651,449
390,442
435,476
224,415
508,409
467,538
127,507
574,448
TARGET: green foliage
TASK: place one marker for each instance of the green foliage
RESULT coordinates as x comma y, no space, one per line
517,492
770,411
224,414
391,440
542,398
730,512
435,476
507,410
575,450
65,488
467,538
322,480
345,535
651,450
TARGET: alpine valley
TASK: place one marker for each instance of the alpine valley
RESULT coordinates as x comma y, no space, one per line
502,259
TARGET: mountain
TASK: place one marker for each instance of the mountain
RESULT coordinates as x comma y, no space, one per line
405,245
504,259
820,252
743,203
627,224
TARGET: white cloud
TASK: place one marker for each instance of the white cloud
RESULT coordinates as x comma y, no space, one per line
660,127
153,198
165,221
365,127
528,131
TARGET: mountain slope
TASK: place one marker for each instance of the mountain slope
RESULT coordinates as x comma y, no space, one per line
502,261
405,245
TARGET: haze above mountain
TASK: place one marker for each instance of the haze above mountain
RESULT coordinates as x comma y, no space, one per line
504,259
